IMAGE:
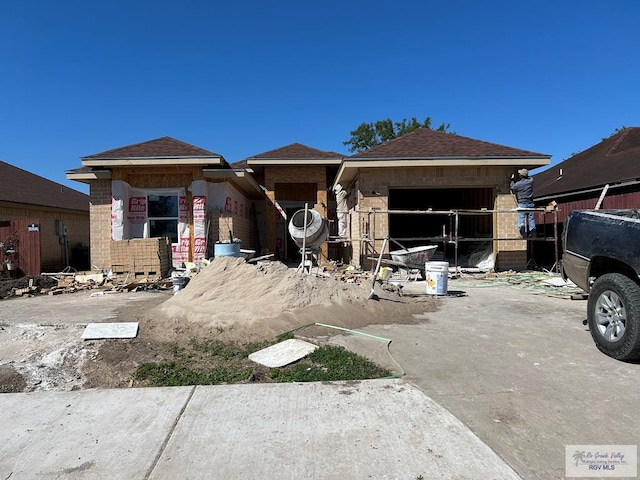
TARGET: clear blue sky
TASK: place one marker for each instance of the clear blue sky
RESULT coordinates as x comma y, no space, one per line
80,77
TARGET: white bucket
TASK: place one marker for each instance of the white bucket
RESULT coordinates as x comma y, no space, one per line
437,274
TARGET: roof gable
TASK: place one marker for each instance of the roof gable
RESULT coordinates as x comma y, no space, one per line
20,186
164,147
614,160
425,143
295,151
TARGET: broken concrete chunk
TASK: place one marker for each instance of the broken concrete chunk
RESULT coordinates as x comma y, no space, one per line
283,353
96,331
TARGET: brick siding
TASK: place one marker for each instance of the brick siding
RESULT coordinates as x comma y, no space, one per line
243,228
100,210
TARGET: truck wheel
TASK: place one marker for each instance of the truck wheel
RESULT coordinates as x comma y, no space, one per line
613,311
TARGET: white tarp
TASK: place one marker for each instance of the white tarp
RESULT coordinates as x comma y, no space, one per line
119,198
199,204
224,198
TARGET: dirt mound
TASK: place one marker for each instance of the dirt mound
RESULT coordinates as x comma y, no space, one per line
239,301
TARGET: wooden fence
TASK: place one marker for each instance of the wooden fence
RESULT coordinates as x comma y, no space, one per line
27,257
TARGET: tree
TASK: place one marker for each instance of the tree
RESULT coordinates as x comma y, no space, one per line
615,132
369,135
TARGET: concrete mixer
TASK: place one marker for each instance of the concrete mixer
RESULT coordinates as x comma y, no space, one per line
308,229
309,234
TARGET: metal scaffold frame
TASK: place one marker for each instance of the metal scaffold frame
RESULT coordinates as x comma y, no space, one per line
366,229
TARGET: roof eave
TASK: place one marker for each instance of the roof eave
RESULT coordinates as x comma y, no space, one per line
238,176
350,166
151,161
597,188
461,158
47,208
86,177
294,161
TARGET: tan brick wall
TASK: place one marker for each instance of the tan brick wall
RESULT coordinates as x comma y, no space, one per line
508,254
100,209
241,227
51,251
140,258
271,216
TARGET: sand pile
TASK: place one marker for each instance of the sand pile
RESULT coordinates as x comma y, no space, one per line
233,299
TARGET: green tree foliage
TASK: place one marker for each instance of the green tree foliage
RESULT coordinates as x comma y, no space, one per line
615,132
369,135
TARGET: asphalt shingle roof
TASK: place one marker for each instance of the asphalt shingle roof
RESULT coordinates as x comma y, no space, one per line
426,143
614,160
296,151
164,147
20,186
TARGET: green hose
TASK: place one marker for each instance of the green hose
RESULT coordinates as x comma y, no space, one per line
375,337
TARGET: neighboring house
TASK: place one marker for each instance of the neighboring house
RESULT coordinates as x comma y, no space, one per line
611,167
578,182
295,175
431,170
50,220
165,188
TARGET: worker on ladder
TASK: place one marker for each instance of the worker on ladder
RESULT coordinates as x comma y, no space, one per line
523,190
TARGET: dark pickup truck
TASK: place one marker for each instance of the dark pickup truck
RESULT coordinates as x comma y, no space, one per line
601,254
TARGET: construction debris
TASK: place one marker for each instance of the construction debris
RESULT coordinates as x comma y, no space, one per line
542,282
71,282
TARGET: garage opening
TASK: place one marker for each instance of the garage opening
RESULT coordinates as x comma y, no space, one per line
413,230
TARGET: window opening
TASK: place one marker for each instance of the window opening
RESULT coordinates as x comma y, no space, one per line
163,216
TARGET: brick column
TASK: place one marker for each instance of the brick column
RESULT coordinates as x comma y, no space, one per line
508,253
100,226
271,212
322,208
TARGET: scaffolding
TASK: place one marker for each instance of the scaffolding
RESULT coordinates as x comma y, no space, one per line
450,238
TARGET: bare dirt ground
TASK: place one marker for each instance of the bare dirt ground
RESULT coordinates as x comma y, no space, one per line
40,338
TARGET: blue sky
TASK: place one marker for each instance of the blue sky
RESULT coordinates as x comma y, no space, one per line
240,78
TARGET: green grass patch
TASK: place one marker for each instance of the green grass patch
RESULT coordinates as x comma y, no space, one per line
214,362
329,363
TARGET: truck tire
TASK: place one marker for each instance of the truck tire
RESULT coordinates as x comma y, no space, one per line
613,312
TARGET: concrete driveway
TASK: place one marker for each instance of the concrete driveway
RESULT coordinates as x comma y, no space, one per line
520,369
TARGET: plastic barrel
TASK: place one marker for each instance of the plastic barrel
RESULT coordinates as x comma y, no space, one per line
227,249
437,274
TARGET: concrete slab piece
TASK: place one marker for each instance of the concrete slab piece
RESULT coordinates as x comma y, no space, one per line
97,331
343,430
115,434
283,353
89,277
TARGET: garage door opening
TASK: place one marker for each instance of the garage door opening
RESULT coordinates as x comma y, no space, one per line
416,229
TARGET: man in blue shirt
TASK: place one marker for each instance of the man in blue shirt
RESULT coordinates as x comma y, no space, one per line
523,189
